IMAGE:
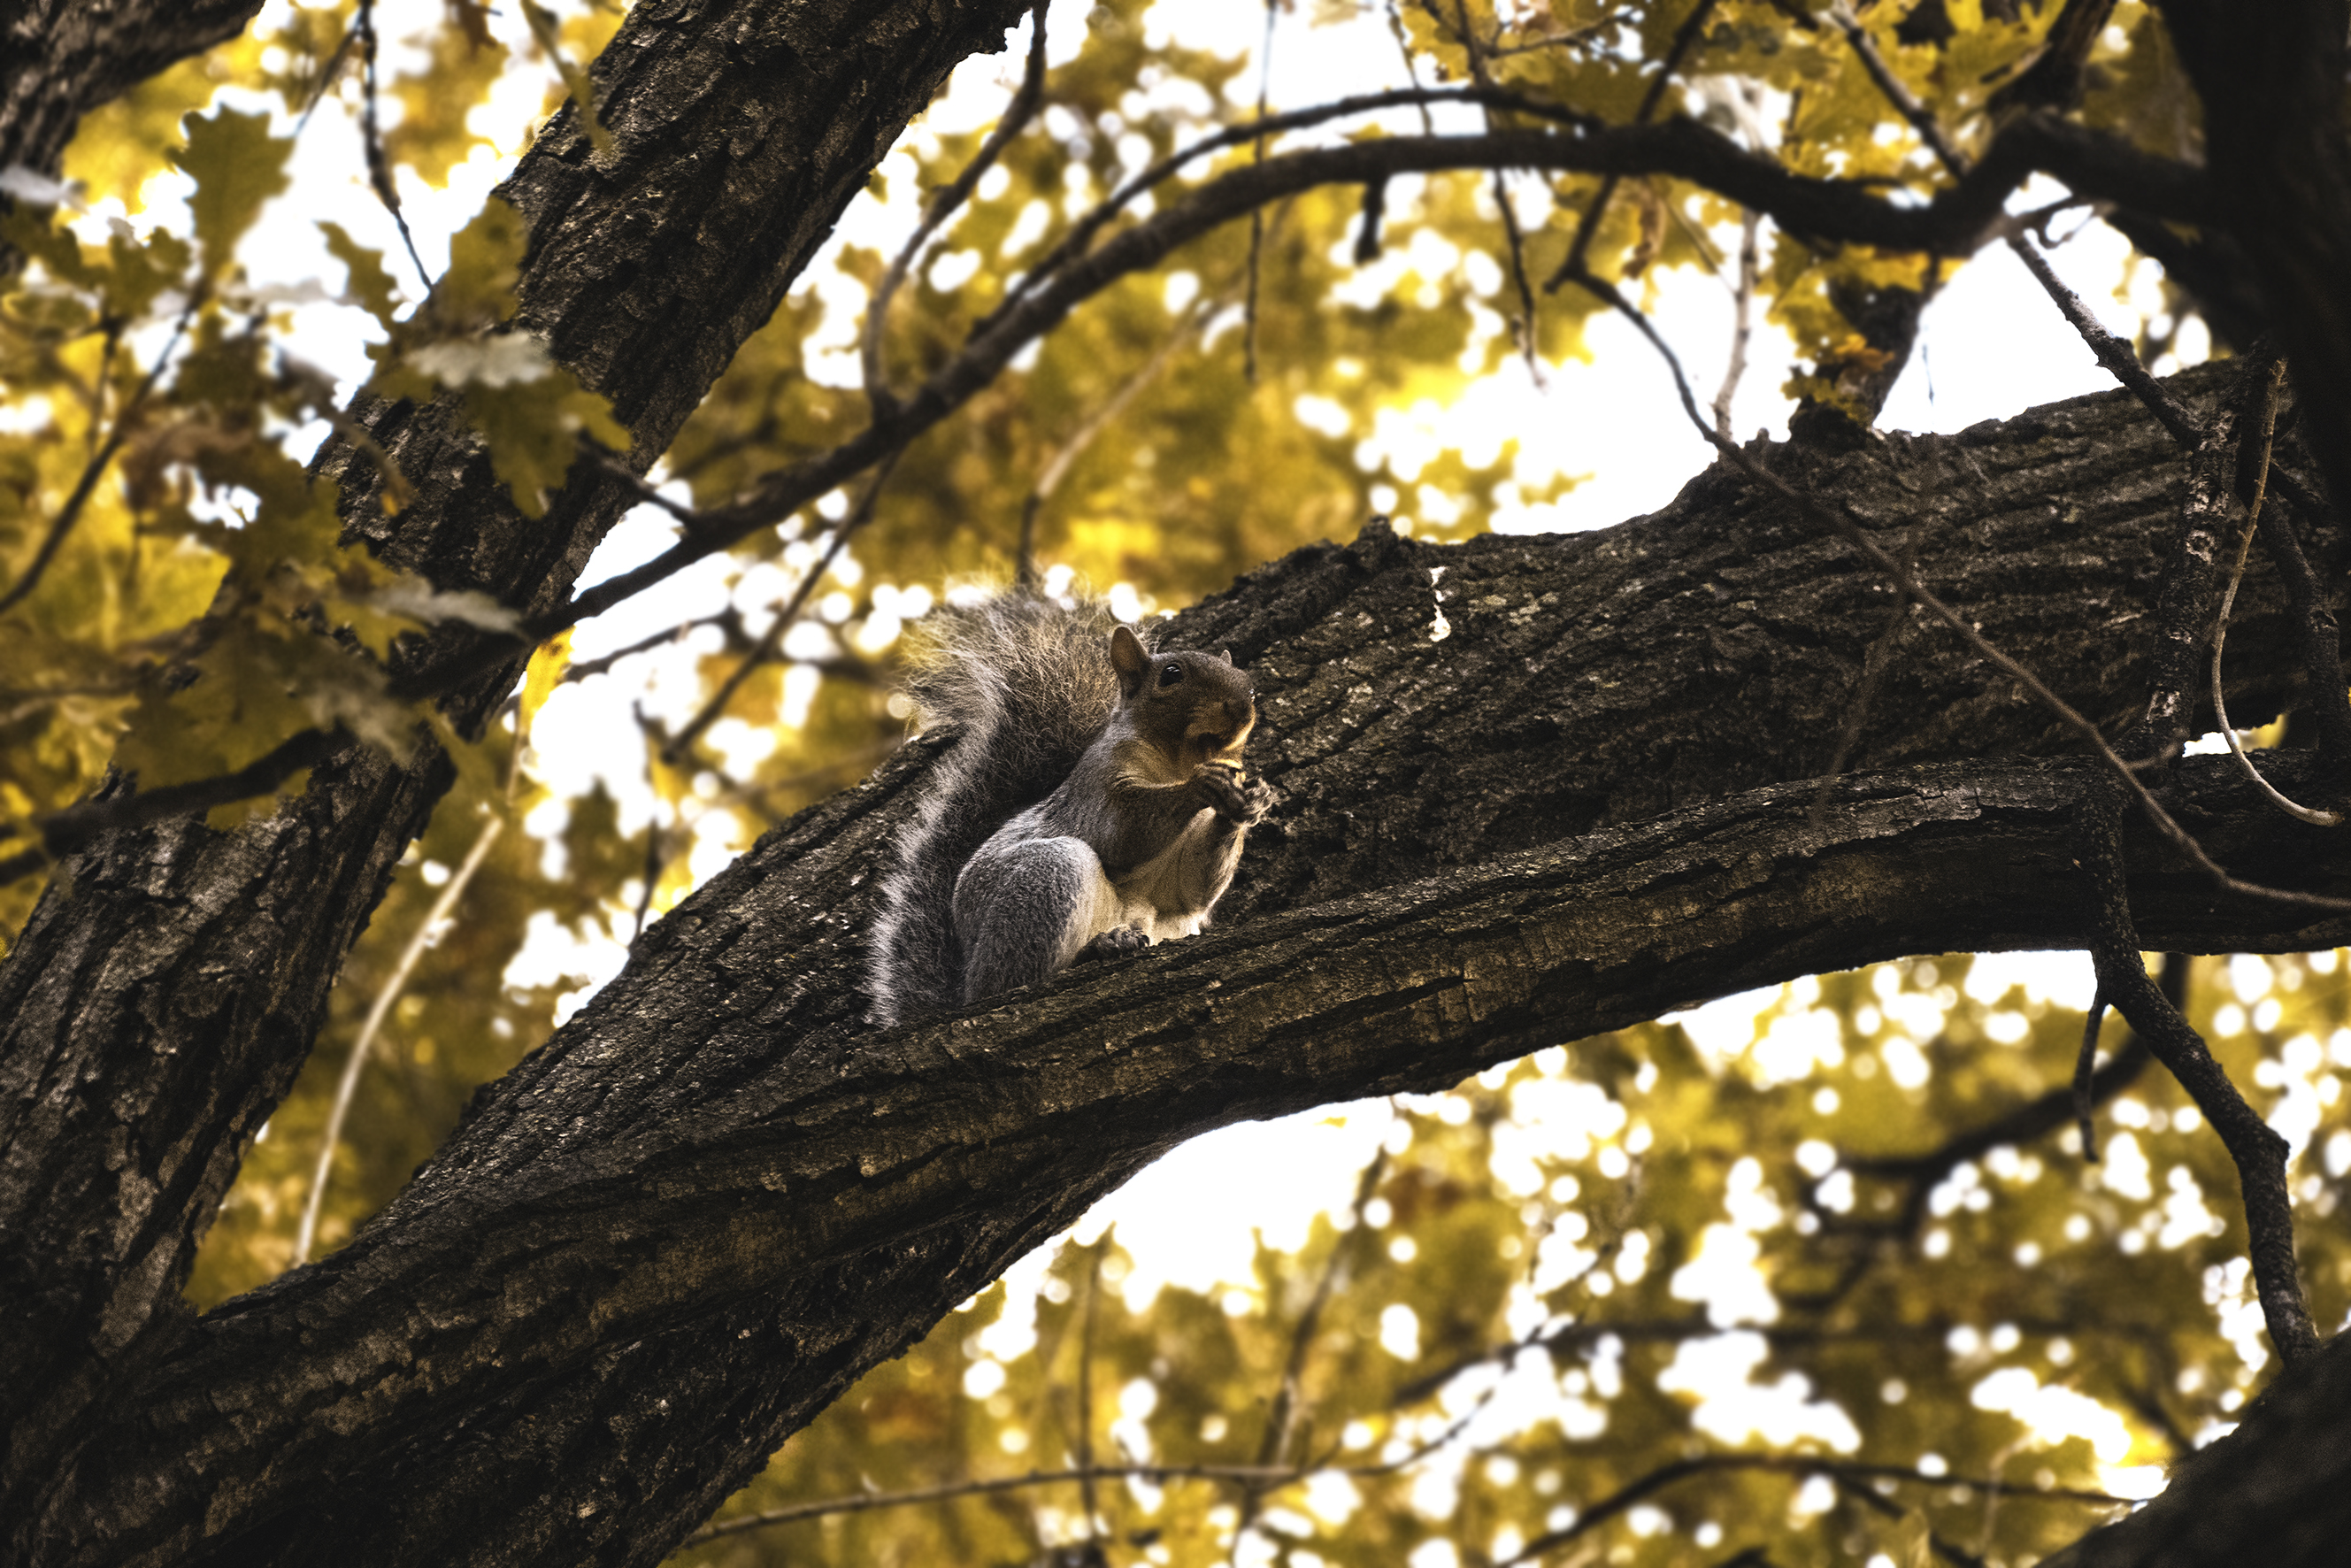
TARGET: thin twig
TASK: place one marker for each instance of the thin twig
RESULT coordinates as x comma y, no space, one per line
371,137
2085,1077
1742,325
610,464
70,513
1549,40
2314,614
1073,245
2112,352
348,1084
1105,413
649,879
1085,1423
2322,654
1403,37
1281,1419
942,206
727,618
327,76
1887,1507
950,1491
1513,241
2266,423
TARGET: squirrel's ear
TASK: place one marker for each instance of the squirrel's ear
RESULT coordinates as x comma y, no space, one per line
1126,656
1227,653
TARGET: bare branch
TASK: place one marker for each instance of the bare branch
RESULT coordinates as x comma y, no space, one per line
2114,354
1685,38
1742,325
1281,1417
2085,1078
1946,225
1103,416
2258,1151
63,832
371,138
2265,423
953,1489
1257,215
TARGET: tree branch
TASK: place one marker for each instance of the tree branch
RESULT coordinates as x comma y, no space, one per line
2259,1152
721,1204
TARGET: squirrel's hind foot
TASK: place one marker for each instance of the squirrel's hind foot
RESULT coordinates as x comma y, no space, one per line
1115,943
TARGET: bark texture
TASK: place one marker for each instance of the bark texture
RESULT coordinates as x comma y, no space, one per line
168,987
681,1229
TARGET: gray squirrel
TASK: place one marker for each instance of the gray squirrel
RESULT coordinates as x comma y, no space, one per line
1091,805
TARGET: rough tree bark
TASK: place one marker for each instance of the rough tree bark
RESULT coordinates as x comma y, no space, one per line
168,988
678,1231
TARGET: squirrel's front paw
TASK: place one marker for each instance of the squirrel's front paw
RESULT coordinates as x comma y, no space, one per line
1115,943
1244,805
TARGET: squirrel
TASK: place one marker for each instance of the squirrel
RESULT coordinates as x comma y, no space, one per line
1093,803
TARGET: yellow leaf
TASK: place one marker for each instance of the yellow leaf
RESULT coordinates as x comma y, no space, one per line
433,135
237,166
533,428
120,145
485,258
548,663
365,279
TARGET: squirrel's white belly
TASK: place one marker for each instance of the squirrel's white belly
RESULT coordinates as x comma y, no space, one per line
1154,894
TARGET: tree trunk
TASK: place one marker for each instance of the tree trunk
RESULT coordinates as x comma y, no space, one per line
169,985
671,1237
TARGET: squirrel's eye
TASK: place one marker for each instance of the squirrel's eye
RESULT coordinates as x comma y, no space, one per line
1170,673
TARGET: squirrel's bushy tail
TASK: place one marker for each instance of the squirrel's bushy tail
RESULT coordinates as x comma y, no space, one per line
1030,683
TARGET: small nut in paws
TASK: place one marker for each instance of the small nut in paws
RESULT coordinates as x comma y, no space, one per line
1242,805
1231,800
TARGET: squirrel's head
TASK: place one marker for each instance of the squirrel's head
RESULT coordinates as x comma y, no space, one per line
1196,707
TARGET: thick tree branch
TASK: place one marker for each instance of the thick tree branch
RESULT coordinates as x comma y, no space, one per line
745,1198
